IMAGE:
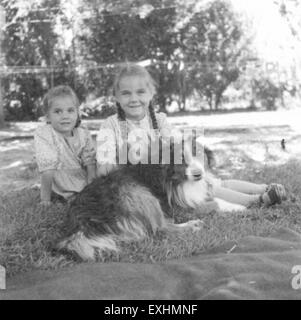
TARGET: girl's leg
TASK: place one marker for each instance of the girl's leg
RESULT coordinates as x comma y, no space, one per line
244,186
235,196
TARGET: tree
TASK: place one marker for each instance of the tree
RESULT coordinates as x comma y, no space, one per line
290,11
119,36
215,48
31,42
2,23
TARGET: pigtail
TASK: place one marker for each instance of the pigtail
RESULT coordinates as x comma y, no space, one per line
153,118
120,112
78,122
122,121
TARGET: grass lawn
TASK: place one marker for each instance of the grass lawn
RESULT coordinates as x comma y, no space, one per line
28,232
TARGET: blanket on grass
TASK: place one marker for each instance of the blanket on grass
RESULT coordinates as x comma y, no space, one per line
252,268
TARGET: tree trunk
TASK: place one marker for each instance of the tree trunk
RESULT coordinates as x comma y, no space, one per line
162,103
209,99
2,24
217,101
183,102
218,97
183,91
2,122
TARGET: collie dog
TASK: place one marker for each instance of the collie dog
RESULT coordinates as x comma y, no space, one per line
130,203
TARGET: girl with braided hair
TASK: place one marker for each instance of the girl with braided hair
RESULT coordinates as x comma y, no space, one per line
134,90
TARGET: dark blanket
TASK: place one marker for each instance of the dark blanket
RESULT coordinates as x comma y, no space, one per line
253,268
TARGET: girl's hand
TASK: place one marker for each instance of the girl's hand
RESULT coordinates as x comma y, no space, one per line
91,170
45,203
46,186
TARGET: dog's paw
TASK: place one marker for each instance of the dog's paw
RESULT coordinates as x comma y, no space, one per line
207,207
195,225
225,206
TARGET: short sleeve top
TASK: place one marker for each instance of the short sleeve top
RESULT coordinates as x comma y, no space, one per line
110,136
67,156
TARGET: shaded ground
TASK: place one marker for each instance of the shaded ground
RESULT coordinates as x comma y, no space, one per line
253,268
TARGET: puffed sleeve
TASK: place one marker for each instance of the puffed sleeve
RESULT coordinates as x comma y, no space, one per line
106,146
89,153
46,151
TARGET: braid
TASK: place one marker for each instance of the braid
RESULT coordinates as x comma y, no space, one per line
122,122
120,112
153,118
78,122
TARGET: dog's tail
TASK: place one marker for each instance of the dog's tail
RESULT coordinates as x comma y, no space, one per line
85,247
141,216
133,228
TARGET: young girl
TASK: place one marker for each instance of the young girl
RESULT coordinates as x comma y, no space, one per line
64,151
134,90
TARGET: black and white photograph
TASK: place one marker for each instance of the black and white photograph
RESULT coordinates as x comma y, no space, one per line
150,150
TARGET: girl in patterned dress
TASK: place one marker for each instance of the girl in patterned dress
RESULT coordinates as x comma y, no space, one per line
64,151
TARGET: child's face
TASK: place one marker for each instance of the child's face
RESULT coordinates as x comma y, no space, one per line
134,96
63,115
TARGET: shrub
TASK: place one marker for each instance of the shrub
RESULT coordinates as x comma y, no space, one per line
267,93
101,107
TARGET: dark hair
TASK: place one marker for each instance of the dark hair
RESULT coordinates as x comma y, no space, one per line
60,91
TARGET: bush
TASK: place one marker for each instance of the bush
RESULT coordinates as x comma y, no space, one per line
267,93
99,108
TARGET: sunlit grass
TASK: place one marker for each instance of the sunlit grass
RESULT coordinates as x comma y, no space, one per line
29,233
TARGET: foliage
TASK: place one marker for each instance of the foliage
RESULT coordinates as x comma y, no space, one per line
267,93
111,38
31,41
194,46
215,47
98,108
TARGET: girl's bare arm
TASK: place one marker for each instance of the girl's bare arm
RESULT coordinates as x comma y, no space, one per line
46,186
91,171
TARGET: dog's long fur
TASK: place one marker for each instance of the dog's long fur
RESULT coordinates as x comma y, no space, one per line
130,204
